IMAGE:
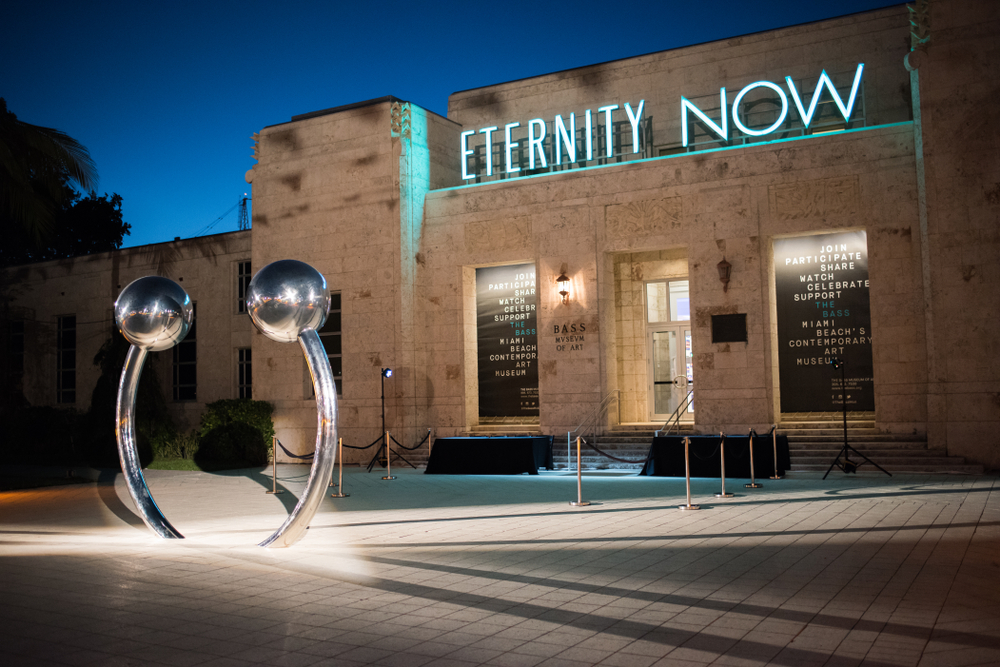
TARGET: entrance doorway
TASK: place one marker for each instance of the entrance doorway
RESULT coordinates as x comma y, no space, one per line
668,352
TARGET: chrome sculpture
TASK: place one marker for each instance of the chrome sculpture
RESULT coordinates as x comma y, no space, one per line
153,314
288,300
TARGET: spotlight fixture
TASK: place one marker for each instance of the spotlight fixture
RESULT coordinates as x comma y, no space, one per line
387,372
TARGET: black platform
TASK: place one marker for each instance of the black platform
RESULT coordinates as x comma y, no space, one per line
666,457
490,456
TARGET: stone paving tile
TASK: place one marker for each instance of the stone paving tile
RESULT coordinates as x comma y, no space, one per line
860,570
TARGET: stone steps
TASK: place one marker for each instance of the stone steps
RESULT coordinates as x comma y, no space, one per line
814,444
627,442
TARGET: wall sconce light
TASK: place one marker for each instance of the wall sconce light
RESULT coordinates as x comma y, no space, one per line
563,283
725,270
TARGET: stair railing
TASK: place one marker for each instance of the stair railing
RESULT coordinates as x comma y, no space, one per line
592,421
674,420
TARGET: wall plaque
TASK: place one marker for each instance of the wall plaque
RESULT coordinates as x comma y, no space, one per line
729,328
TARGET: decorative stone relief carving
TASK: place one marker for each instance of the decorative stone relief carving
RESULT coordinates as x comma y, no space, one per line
815,199
643,217
399,120
497,235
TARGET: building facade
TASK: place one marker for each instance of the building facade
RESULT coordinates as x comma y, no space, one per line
697,232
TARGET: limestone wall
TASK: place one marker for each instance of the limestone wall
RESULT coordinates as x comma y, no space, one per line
88,286
344,191
957,119
704,206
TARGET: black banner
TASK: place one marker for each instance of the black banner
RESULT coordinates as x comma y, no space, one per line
508,341
821,286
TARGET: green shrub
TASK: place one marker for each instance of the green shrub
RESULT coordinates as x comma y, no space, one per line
170,445
235,442
41,436
240,427
96,428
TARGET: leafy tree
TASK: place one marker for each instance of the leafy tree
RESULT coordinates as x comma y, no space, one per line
35,165
97,438
84,225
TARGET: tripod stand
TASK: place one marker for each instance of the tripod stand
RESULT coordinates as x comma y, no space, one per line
384,452
386,373
847,465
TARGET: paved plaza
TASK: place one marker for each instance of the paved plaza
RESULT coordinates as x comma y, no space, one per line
463,570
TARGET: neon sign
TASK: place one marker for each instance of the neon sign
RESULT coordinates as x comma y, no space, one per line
722,128
562,132
564,138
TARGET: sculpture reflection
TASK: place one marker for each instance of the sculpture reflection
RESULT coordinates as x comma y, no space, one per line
153,314
288,300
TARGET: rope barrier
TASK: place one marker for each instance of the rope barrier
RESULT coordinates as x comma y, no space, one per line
374,442
687,476
722,460
340,482
274,470
774,443
743,451
294,456
388,458
604,453
579,502
712,455
753,481
416,446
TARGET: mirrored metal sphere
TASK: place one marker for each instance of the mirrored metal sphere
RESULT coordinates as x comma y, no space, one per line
287,297
154,313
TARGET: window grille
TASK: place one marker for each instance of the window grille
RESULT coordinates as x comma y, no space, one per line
186,365
66,359
244,371
15,361
243,276
330,336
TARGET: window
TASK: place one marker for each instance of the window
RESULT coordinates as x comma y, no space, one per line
186,366
244,373
66,359
15,361
243,276
329,335
668,301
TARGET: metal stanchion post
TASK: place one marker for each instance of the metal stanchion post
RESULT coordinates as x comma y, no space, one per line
388,462
753,482
774,441
274,467
579,502
722,458
340,479
687,475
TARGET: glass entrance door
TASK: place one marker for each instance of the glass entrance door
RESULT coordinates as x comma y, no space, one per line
665,399
671,372
669,354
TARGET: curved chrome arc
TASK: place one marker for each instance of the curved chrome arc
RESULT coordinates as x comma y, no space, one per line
127,452
295,526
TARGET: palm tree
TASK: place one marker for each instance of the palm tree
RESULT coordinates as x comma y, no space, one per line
35,165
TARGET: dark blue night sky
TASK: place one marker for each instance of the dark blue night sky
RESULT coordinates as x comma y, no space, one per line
167,95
